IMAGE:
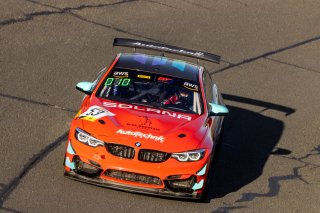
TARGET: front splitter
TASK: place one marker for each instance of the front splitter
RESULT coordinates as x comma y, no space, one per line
129,188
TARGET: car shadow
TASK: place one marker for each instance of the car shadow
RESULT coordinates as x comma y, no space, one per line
249,138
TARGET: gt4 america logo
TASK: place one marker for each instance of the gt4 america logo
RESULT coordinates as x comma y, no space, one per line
147,109
94,113
141,135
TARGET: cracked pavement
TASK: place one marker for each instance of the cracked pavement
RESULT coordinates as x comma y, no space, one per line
269,76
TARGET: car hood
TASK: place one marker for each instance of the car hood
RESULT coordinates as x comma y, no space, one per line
153,128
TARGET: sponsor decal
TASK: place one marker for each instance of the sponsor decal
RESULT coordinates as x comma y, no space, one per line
144,76
141,135
165,79
119,74
199,54
94,113
190,86
144,123
146,109
143,127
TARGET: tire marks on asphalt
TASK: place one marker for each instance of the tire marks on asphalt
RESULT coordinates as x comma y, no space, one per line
274,182
274,185
68,11
267,54
10,210
6,189
36,159
293,65
36,102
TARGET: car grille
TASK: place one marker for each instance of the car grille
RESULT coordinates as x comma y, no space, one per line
153,156
133,177
121,150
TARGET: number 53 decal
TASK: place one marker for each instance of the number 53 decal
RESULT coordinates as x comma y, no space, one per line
94,113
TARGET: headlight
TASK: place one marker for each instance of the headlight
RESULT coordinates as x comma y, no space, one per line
85,138
194,155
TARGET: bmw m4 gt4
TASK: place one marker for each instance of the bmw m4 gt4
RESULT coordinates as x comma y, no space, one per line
148,124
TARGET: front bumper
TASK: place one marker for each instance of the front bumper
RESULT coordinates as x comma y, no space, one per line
93,171
130,188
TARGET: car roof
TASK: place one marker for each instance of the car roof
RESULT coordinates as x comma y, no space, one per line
159,64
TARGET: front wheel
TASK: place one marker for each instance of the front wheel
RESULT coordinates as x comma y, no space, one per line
205,192
217,148
214,156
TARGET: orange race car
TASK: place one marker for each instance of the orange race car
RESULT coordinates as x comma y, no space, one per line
147,124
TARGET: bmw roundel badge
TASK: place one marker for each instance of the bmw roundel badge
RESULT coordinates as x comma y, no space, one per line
138,144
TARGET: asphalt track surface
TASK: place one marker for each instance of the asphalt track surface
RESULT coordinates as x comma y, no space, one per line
269,76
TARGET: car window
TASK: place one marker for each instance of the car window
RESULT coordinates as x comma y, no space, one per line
99,76
215,94
152,89
208,87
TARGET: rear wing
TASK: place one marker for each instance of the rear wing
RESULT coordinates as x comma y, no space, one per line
166,48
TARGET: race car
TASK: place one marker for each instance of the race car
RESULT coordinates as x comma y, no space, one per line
148,124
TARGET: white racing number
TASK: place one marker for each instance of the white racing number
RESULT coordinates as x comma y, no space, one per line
94,113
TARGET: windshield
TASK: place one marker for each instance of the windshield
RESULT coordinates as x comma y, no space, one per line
152,90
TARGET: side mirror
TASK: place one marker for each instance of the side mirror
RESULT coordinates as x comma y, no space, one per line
218,110
85,87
